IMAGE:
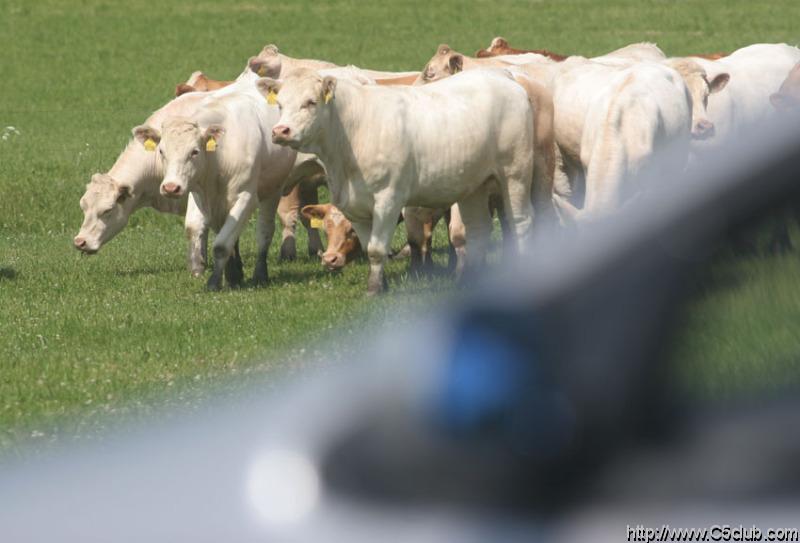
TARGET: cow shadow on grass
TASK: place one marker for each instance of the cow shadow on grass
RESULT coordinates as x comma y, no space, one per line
7,274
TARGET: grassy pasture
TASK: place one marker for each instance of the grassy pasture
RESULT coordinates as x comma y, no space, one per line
84,338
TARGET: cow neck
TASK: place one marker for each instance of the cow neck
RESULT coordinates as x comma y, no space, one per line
140,170
335,144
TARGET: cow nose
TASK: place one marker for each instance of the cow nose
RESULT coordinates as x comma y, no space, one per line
172,189
703,129
280,131
332,261
79,243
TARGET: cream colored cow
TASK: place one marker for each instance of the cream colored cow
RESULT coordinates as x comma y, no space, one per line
388,147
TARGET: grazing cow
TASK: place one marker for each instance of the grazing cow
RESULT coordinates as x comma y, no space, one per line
788,96
223,153
302,194
133,183
343,244
388,147
198,82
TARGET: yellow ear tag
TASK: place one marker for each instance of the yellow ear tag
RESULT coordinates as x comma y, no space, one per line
272,98
150,145
328,97
316,223
211,145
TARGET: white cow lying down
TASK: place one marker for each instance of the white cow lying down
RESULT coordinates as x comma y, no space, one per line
388,147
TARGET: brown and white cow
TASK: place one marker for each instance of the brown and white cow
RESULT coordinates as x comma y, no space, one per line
499,46
199,82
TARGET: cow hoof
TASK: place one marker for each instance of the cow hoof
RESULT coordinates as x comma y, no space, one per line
288,251
213,286
260,280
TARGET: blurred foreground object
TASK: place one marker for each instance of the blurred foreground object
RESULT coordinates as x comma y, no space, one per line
540,408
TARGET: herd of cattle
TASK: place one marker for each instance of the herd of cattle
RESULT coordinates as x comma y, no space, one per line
564,139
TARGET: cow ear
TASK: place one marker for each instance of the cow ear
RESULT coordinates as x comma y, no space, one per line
782,102
211,136
147,136
456,63
183,88
498,43
719,82
270,50
443,49
315,211
269,88
98,178
328,88
123,193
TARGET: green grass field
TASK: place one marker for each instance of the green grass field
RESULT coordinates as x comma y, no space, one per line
84,341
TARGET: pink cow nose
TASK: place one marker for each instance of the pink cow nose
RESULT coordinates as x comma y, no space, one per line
333,261
280,132
703,130
172,189
79,243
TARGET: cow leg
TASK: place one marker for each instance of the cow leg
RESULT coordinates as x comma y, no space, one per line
427,246
196,228
309,196
516,194
458,241
384,221
477,224
288,211
228,235
234,269
265,231
415,233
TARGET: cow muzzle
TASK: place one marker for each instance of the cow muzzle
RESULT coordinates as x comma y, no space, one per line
82,245
171,190
703,130
281,134
333,261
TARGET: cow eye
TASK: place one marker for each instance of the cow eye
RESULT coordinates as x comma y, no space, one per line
107,212
195,152
310,103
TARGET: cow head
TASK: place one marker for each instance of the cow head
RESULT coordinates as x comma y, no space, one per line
700,88
184,148
107,205
343,244
444,63
267,63
305,100
788,96
499,46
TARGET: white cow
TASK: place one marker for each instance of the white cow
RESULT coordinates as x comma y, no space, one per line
609,123
223,154
756,71
133,183
388,147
